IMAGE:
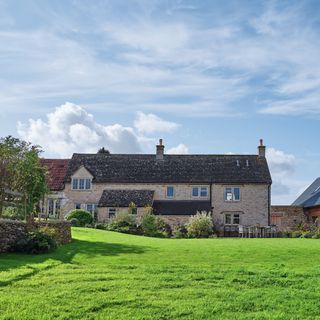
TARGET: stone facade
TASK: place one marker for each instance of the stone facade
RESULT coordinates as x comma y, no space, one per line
10,232
287,217
253,205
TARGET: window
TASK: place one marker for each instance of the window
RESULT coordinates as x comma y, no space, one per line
170,192
232,218
112,212
77,205
75,184
200,192
81,184
92,208
88,184
232,194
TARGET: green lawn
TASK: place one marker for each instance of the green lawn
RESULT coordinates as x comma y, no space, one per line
106,275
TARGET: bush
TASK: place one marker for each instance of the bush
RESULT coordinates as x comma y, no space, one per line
307,234
200,225
13,213
154,226
52,232
316,235
101,226
296,234
36,242
74,222
179,232
84,217
124,222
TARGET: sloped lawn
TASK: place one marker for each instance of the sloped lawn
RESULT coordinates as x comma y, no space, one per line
105,275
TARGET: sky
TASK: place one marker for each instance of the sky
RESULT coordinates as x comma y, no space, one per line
208,77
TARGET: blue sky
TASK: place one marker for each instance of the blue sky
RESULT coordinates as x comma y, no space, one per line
206,76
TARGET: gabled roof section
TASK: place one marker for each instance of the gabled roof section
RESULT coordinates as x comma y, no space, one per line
310,197
122,198
145,168
57,169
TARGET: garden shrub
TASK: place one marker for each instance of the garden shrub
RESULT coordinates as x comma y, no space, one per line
36,242
13,213
124,222
74,222
84,217
179,232
154,226
52,232
296,234
101,226
307,234
200,225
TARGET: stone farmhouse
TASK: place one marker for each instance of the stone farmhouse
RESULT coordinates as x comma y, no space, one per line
234,188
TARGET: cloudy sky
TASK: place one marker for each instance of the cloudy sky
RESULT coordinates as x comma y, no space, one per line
206,76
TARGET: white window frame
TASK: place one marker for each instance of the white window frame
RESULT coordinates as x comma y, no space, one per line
199,196
173,193
87,184
232,217
232,194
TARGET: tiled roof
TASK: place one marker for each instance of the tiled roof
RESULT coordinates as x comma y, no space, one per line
57,169
310,197
180,207
144,168
122,198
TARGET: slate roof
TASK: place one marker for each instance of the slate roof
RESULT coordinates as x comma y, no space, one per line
57,169
310,197
144,168
189,207
122,198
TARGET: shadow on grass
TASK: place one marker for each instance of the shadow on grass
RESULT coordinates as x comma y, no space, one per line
65,254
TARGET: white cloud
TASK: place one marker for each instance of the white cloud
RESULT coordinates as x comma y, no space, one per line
179,149
282,167
71,129
150,123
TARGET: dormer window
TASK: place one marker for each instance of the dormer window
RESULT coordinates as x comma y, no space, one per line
81,183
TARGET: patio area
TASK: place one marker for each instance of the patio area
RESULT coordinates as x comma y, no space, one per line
250,231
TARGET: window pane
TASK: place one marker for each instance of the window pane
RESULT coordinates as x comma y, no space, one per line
88,184
204,192
81,184
236,219
134,210
77,205
112,212
227,219
75,184
170,192
236,192
89,208
195,191
227,194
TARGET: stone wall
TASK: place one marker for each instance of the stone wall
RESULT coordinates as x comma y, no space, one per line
253,206
287,217
10,232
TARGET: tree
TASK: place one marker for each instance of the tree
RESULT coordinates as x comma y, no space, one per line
103,150
31,180
20,171
11,152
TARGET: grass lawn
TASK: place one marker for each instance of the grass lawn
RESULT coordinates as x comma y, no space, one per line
106,275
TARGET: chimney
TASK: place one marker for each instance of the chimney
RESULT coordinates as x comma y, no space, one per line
160,150
261,149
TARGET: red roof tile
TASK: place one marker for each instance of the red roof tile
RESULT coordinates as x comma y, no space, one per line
57,169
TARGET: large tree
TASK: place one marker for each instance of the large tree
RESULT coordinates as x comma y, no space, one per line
20,171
